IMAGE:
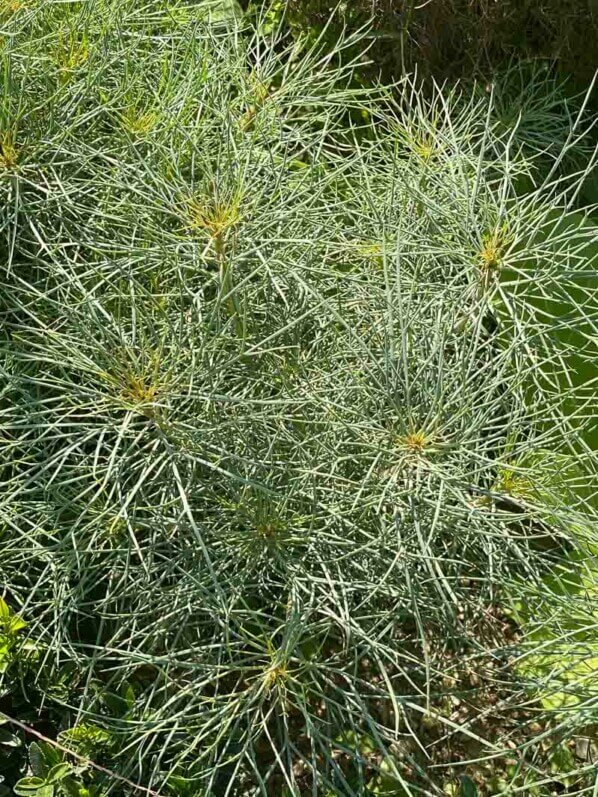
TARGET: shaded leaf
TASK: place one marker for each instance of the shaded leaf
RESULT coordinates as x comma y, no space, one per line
9,739
468,787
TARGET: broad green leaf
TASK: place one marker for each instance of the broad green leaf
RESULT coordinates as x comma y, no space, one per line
59,772
42,757
33,787
85,738
10,623
15,624
37,760
5,654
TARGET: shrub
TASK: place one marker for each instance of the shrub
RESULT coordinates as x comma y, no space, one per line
452,37
282,382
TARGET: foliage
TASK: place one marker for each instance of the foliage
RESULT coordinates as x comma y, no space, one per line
284,388
562,646
454,37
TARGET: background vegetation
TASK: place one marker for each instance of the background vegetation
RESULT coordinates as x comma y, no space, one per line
297,414
452,37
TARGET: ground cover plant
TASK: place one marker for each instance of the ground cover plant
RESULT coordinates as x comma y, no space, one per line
296,417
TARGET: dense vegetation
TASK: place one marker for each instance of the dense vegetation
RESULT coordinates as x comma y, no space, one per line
450,37
297,423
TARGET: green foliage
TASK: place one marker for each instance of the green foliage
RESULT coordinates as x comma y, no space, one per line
85,739
60,780
561,634
284,415
456,37
10,625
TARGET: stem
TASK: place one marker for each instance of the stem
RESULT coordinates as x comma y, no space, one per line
82,759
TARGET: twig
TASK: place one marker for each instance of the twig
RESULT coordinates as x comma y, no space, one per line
82,759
